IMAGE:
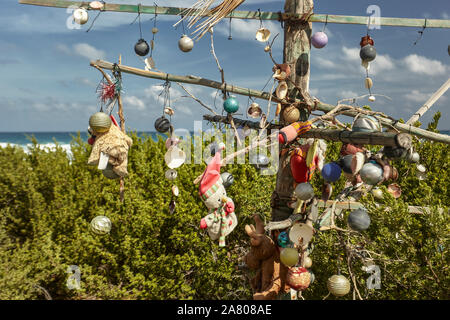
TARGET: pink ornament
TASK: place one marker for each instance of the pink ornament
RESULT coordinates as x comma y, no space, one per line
319,40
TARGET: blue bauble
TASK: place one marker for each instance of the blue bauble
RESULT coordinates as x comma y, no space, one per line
331,172
231,105
283,239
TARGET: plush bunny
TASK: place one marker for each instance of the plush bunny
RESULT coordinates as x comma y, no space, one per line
221,219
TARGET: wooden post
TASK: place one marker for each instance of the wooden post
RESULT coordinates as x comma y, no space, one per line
297,46
122,127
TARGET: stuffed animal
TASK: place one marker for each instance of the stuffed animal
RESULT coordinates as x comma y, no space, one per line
264,257
113,143
221,219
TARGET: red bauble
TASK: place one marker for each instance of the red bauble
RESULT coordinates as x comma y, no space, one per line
91,140
298,278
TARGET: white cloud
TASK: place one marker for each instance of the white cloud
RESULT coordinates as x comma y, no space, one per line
347,94
420,97
134,102
246,29
423,65
87,51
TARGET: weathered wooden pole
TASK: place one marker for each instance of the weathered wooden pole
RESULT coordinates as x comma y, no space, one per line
297,47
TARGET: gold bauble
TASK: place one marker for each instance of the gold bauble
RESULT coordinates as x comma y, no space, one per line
291,114
338,285
289,257
100,122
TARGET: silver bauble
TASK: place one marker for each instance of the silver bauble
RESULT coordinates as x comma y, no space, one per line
227,179
371,173
359,220
171,174
185,43
101,225
304,191
260,161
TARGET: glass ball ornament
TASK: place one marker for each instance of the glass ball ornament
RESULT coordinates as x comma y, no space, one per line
101,225
231,105
338,285
346,163
80,16
298,278
100,122
185,43
359,220
227,179
171,174
368,53
141,48
289,257
283,239
307,262
377,193
162,124
319,40
260,161
331,172
371,173
304,191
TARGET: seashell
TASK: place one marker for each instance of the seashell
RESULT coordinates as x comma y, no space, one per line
80,16
100,122
395,190
327,191
169,111
282,90
185,43
262,35
175,191
101,225
149,63
421,168
372,98
413,157
366,40
254,111
307,262
96,5
358,220
155,30
174,157
173,141
171,174
291,114
152,44
358,162
377,193
280,75
278,110
301,231
298,278
266,48
366,124
304,191
338,285
368,83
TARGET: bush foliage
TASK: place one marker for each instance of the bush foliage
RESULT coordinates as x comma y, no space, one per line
47,202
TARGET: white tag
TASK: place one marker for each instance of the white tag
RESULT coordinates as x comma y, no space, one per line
103,161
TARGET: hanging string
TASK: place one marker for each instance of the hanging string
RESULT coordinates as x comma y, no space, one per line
229,31
98,14
138,17
260,20
421,33
153,34
325,25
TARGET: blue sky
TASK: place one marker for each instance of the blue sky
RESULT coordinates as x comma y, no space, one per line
46,83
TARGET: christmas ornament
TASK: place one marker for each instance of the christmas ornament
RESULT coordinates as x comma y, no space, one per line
281,90
80,16
262,35
289,257
358,161
371,173
227,179
359,220
171,174
141,48
260,161
319,40
372,98
377,193
185,43
366,40
155,30
395,190
368,53
254,110
413,157
298,278
346,163
231,105
174,157
281,71
283,239
109,172
301,234
331,172
291,114
162,124
338,285
100,122
101,225
221,219
304,191
307,262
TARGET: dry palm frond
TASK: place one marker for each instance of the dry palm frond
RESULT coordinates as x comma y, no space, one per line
199,10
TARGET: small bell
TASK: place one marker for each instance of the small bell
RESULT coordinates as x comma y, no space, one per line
185,43
141,48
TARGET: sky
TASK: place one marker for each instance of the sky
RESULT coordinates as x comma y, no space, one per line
46,83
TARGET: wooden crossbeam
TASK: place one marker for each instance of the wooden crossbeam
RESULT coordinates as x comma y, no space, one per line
263,95
277,16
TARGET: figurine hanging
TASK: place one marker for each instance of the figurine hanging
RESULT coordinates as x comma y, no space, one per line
221,219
